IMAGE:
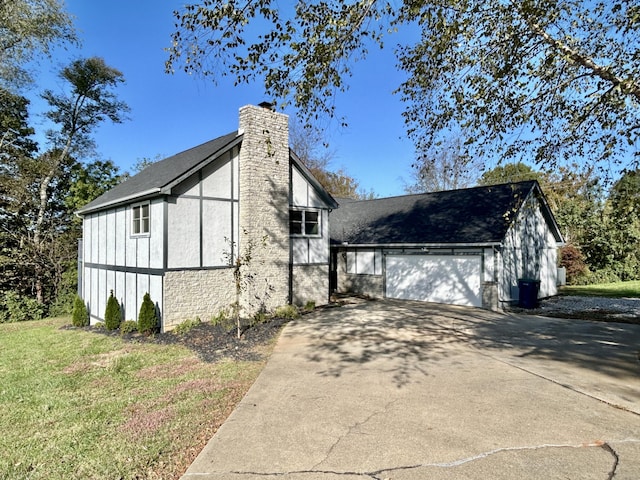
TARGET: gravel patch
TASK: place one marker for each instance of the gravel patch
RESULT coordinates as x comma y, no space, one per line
625,310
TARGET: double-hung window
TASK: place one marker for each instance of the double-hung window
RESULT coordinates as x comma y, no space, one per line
140,219
304,223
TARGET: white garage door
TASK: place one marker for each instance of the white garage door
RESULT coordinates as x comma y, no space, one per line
452,279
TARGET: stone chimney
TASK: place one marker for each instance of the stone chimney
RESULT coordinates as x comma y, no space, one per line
264,205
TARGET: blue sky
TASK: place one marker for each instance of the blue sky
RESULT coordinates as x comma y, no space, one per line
171,113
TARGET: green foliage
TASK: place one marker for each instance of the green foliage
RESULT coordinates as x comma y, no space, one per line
112,314
19,308
186,326
310,305
572,259
40,193
128,326
546,81
289,312
147,318
221,318
29,28
508,173
79,316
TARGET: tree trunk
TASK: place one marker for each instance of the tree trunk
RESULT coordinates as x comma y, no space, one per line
43,192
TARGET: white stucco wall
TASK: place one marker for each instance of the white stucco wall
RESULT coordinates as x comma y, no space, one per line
202,217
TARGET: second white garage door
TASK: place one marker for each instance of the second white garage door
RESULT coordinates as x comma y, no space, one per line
451,279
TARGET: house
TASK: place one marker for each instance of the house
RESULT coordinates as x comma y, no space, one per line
463,247
175,229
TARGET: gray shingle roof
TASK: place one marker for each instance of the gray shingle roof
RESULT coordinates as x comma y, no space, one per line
161,174
467,216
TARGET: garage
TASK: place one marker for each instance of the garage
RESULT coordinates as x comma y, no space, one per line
451,279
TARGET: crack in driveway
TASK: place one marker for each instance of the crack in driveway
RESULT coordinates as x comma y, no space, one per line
382,474
350,430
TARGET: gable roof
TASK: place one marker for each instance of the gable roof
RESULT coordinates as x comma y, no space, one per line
480,215
160,177
325,196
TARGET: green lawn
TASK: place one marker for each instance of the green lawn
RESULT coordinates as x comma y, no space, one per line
75,403
617,290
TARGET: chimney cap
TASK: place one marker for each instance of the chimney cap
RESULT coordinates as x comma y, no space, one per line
267,105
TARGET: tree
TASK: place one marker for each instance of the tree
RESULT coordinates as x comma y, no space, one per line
76,113
89,181
311,148
539,79
510,172
624,204
112,313
147,318
442,168
29,28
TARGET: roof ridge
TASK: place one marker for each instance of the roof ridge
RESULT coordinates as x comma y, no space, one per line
408,195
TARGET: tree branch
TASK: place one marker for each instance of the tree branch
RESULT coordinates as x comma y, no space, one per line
626,85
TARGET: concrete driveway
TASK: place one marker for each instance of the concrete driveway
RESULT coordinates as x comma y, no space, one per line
404,390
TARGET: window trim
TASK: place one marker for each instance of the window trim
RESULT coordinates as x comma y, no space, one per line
140,206
303,222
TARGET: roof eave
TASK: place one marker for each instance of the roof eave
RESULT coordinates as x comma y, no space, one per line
166,189
418,245
120,201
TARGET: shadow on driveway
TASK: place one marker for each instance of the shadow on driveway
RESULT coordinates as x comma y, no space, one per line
413,334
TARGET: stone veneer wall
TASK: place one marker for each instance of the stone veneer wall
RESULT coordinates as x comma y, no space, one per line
264,202
310,283
196,293
371,285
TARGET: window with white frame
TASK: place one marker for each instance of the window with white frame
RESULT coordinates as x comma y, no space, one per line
304,223
140,219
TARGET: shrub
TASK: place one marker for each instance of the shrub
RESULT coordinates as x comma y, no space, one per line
573,260
310,305
128,326
147,318
79,316
112,314
19,308
222,318
287,311
63,304
186,326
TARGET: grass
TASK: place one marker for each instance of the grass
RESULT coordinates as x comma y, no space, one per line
79,404
614,290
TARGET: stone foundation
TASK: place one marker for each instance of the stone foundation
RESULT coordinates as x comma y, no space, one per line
310,284
196,293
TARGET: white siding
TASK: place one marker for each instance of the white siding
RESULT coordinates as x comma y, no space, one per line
102,238
121,239
529,252
156,240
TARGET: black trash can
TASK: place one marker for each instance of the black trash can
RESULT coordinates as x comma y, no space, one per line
528,293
